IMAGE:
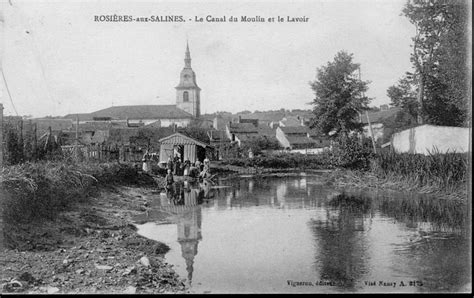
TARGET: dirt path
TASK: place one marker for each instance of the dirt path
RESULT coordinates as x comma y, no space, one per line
90,249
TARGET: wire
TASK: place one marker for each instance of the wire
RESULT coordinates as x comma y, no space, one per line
8,90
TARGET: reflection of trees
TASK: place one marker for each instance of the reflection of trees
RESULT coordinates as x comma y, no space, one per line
342,256
442,214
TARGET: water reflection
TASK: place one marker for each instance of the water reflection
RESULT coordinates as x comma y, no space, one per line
341,238
313,233
181,204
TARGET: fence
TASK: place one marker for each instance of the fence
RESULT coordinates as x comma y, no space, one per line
103,153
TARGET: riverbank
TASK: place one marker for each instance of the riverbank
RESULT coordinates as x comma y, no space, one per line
92,248
367,180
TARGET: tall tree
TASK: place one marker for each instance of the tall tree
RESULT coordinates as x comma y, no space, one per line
339,96
404,95
439,58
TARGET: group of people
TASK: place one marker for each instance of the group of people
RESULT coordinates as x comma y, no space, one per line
188,169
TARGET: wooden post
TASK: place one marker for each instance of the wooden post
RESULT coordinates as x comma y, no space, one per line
35,150
371,131
76,141
1,135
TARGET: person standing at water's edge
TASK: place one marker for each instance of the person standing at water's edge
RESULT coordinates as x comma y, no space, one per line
169,164
169,180
146,162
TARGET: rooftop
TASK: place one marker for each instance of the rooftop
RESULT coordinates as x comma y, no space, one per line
242,128
139,112
300,130
380,116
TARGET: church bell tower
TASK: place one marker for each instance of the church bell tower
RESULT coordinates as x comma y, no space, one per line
188,92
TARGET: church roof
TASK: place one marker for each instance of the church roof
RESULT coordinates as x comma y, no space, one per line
140,112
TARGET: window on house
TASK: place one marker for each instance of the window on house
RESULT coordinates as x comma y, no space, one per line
185,96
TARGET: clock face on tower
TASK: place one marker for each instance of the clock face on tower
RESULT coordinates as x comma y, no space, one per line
186,77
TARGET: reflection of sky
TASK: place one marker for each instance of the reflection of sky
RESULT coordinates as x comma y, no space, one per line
250,244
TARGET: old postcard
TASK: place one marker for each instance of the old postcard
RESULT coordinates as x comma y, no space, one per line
235,147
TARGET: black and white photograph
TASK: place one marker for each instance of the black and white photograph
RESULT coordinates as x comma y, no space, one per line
235,147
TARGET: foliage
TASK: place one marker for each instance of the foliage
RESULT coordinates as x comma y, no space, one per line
339,96
13,150
41,190
440,59
281,161
260,143
197,133
21,145
349,152
440,170
403,95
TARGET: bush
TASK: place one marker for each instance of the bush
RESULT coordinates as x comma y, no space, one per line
348,152
282,161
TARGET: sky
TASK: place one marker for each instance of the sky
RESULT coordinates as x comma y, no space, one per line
57,60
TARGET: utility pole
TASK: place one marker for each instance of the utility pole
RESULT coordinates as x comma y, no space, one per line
368,121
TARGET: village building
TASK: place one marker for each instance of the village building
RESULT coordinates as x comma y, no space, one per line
294,137
241,132
380,122
184,147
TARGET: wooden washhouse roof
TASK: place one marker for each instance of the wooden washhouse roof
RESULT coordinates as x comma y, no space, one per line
180,139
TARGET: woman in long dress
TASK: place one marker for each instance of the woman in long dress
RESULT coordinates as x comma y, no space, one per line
146,162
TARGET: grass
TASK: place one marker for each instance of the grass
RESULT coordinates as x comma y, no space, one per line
435,172
41,190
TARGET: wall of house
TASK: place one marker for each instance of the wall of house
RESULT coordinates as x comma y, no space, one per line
427,138
178,122
377,129
302,151
281,137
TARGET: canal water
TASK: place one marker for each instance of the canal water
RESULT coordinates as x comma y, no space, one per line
295,235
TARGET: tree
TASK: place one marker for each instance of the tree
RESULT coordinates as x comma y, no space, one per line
439,58
404,95
339,96
259,143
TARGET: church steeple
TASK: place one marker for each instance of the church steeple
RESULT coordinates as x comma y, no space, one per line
187,91
187,57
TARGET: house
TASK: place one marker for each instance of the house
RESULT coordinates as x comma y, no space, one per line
241,132
291,121
185,147
218,139
295,137
379,121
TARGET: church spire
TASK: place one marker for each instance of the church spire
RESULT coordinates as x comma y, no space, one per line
187,57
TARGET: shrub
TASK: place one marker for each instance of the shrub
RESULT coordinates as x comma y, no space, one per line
348,152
